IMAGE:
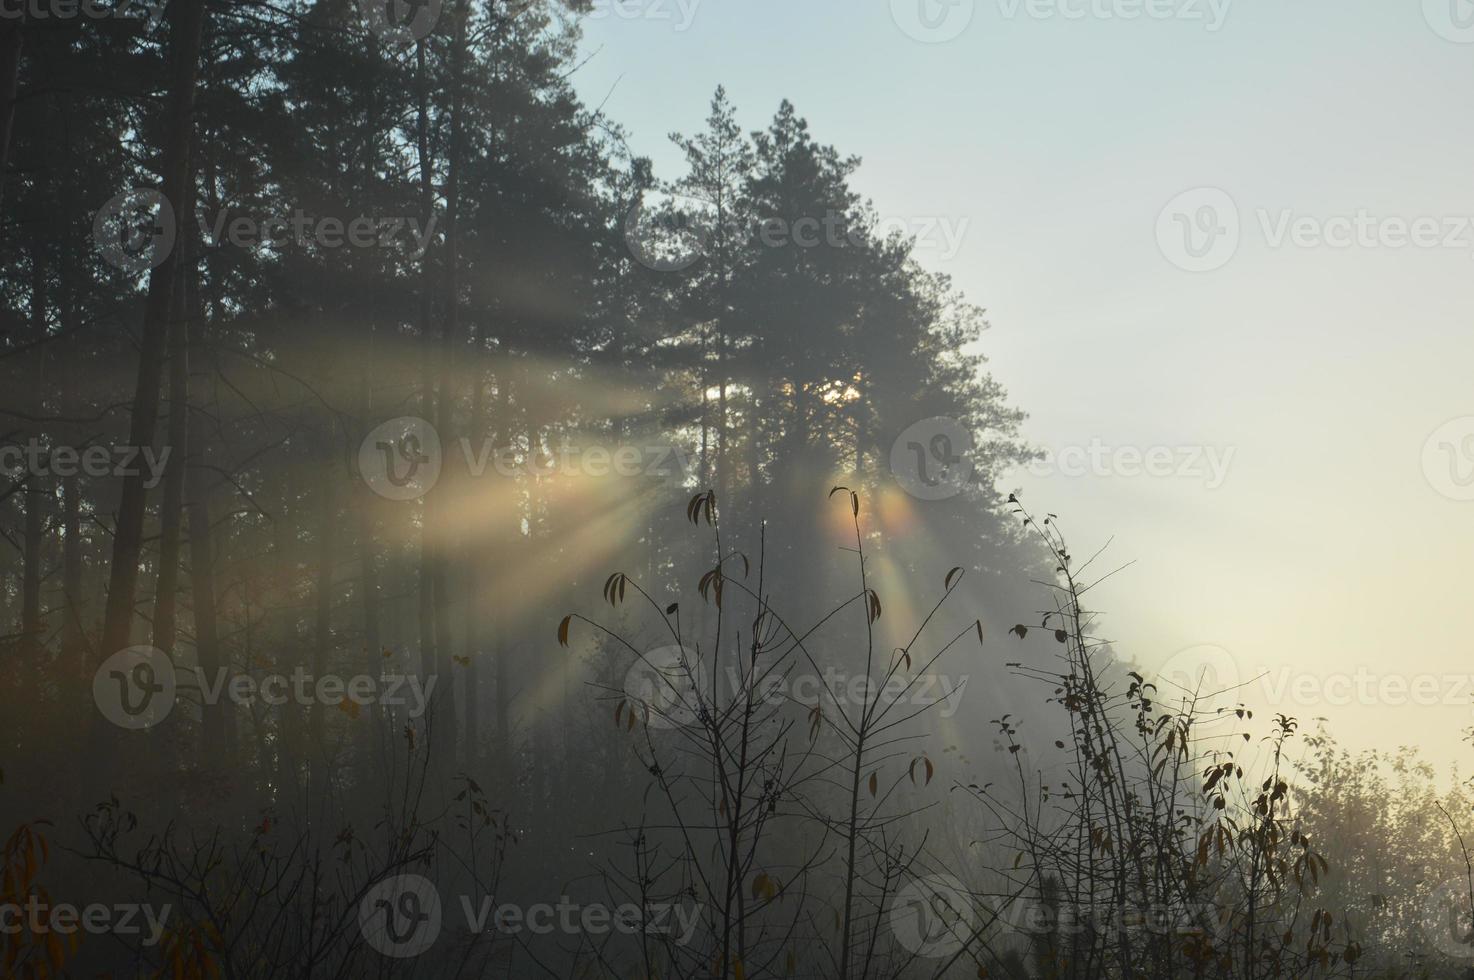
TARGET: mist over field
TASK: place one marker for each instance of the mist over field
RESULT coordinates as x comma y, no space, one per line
685,489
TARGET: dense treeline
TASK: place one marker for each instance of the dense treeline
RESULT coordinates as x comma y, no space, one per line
502,299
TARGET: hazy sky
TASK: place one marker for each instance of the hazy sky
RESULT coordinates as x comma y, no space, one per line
1054,143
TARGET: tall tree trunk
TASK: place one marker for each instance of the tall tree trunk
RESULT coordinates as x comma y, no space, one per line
446,734
289,727
471,604
171,513
370,597
73,637
426,617
322,634
373,756
214,750
73,629
373,642
188,22
10,50
753,451
220,741
513,552
723,486
33,539
703,381
35,488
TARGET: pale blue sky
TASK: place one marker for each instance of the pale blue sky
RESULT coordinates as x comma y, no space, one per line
1054,144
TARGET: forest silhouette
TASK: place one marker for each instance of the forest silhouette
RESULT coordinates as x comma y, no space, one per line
438,545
